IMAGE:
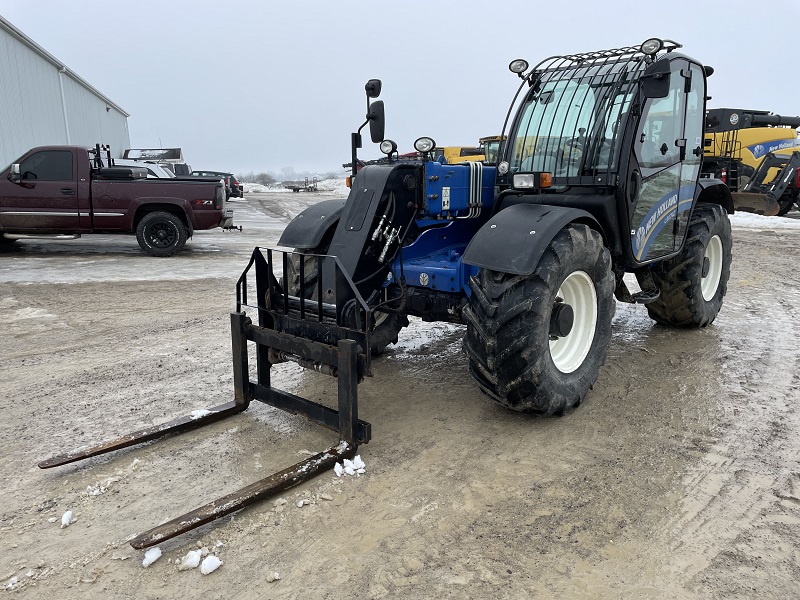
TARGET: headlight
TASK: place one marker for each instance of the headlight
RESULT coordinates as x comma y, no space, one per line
388,146
651,46
519,65
424,144
524,181
502,168
531,181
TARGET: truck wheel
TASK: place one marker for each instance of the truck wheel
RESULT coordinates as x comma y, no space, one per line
161,233
536,343
387,325
693,284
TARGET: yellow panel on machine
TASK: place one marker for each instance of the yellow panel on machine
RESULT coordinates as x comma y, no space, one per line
486,151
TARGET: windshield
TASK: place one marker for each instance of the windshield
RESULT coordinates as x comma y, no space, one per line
571,120
490,151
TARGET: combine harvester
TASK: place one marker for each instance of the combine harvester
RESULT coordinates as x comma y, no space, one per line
529,254
757,154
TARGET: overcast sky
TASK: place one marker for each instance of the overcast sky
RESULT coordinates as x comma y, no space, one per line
254,85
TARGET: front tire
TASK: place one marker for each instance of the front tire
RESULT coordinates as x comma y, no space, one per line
515,355
161,233
693,284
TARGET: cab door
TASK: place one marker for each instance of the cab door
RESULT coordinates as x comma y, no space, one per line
46,197
660,149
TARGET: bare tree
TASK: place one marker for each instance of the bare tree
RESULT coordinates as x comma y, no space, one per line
265,178
288,174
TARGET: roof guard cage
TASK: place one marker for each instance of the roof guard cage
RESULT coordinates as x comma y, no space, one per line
332,339
573,60
570,121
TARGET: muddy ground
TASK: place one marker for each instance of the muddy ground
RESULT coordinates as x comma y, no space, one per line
679,477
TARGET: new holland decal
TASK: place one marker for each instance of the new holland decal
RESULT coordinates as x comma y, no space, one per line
760,150
658,217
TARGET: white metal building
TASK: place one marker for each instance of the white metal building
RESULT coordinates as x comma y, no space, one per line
42,102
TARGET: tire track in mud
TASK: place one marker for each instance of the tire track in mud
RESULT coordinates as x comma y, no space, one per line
732,493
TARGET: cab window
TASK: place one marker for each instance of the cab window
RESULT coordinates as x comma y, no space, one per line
47,165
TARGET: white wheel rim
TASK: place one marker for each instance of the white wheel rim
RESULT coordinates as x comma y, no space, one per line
569,352
709,283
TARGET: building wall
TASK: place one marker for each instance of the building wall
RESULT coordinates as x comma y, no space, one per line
42,102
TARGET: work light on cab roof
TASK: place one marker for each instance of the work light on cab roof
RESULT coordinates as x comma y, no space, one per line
424,144
518,66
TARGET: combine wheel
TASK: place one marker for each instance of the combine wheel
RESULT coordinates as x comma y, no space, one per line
161,233
387,325
693,283
536,343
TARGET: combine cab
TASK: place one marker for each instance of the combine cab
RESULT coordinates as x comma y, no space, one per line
597,175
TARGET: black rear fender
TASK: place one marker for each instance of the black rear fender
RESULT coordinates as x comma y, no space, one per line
308,228
514,239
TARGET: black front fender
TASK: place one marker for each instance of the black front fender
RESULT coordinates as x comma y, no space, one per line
514,239
714,191
306,230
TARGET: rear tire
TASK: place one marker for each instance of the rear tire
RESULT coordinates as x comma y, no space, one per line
513,356
688,297
161,233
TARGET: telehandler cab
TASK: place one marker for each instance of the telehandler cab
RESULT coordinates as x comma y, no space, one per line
598,175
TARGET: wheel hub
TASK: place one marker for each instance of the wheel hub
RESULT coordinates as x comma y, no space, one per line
561,320
706,266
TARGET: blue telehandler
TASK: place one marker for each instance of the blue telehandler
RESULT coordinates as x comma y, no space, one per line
598,175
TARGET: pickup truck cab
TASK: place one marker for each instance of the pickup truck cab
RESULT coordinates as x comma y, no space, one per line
60,190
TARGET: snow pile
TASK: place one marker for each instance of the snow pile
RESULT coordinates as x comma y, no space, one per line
210,564
350,467
196,414
12,584
254,188
151,556
338,186
66,519
190,561
746,220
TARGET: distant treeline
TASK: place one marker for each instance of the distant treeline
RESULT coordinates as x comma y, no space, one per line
285,174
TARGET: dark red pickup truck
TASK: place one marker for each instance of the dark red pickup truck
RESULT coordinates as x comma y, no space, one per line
57,190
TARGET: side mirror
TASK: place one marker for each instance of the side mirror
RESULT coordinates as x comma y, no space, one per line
373,88
655,81
377,121
14,175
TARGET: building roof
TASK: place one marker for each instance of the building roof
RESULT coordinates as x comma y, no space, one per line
16,33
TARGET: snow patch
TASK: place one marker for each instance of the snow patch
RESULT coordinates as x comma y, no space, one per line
197,414
101,487
66,519
210,564
190,561
350,467
151,556
22,314
745,220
